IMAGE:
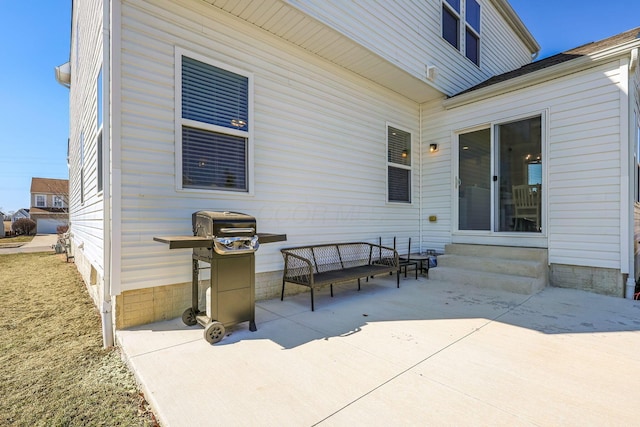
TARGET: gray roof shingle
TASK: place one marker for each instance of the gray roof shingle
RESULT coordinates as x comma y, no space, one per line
586,49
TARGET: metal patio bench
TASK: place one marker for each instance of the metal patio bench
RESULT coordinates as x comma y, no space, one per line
320,265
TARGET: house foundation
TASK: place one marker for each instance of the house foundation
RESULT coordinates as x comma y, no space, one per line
604,281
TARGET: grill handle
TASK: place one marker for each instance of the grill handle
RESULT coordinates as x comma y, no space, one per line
238,230
235,245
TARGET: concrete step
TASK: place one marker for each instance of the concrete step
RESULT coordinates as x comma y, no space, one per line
504,252
506,268
489,280
515,267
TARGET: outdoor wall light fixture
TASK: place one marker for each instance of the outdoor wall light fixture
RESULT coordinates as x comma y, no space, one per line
433,147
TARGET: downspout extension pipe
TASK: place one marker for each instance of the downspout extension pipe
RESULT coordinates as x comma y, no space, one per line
106,309
630,287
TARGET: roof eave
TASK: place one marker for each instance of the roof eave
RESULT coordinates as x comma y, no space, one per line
517,25
540,76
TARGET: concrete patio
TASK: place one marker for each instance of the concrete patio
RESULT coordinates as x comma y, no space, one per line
429,353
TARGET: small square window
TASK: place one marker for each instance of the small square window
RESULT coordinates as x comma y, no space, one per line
41,201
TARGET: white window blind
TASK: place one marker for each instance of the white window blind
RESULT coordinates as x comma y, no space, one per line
398,165
215,113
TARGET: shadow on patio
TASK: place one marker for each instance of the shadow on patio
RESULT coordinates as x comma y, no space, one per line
290,323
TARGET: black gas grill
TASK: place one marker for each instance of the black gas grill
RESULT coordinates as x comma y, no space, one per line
227,242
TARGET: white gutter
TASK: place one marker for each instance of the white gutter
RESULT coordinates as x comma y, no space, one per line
539,76
105,310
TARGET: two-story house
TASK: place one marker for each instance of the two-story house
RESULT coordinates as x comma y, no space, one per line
345,121
49,204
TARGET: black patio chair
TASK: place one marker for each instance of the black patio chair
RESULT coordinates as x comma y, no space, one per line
405,261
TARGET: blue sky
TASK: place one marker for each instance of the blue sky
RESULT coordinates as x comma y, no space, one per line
34,112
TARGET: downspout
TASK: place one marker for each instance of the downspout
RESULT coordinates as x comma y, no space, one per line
421,219
105,310
630,242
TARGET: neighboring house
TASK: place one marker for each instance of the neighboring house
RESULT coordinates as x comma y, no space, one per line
49,204
332,121
20,213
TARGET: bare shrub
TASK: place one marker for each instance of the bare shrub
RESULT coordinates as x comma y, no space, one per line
24,226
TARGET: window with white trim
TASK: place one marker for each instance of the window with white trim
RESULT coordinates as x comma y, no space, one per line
82,167
472,31
398,165
455,12
41,200
214,125
99,100
58,202
637,158
451,22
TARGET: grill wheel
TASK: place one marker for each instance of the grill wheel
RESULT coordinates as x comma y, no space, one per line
189,317
214,332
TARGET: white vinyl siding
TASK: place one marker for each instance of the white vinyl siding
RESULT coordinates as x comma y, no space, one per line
319,141
409,34
85,207
583,172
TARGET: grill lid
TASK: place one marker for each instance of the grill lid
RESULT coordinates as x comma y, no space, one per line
223,224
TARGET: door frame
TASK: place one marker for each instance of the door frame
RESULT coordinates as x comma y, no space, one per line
492,237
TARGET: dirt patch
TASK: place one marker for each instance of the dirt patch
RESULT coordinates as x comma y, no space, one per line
53,370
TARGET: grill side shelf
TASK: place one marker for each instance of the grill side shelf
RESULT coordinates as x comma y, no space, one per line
185,242
189,242
271,238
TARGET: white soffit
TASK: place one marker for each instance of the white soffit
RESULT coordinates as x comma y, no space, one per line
293,25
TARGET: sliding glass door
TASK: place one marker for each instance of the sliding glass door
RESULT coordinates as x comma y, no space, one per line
519,146
499,184
474,180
